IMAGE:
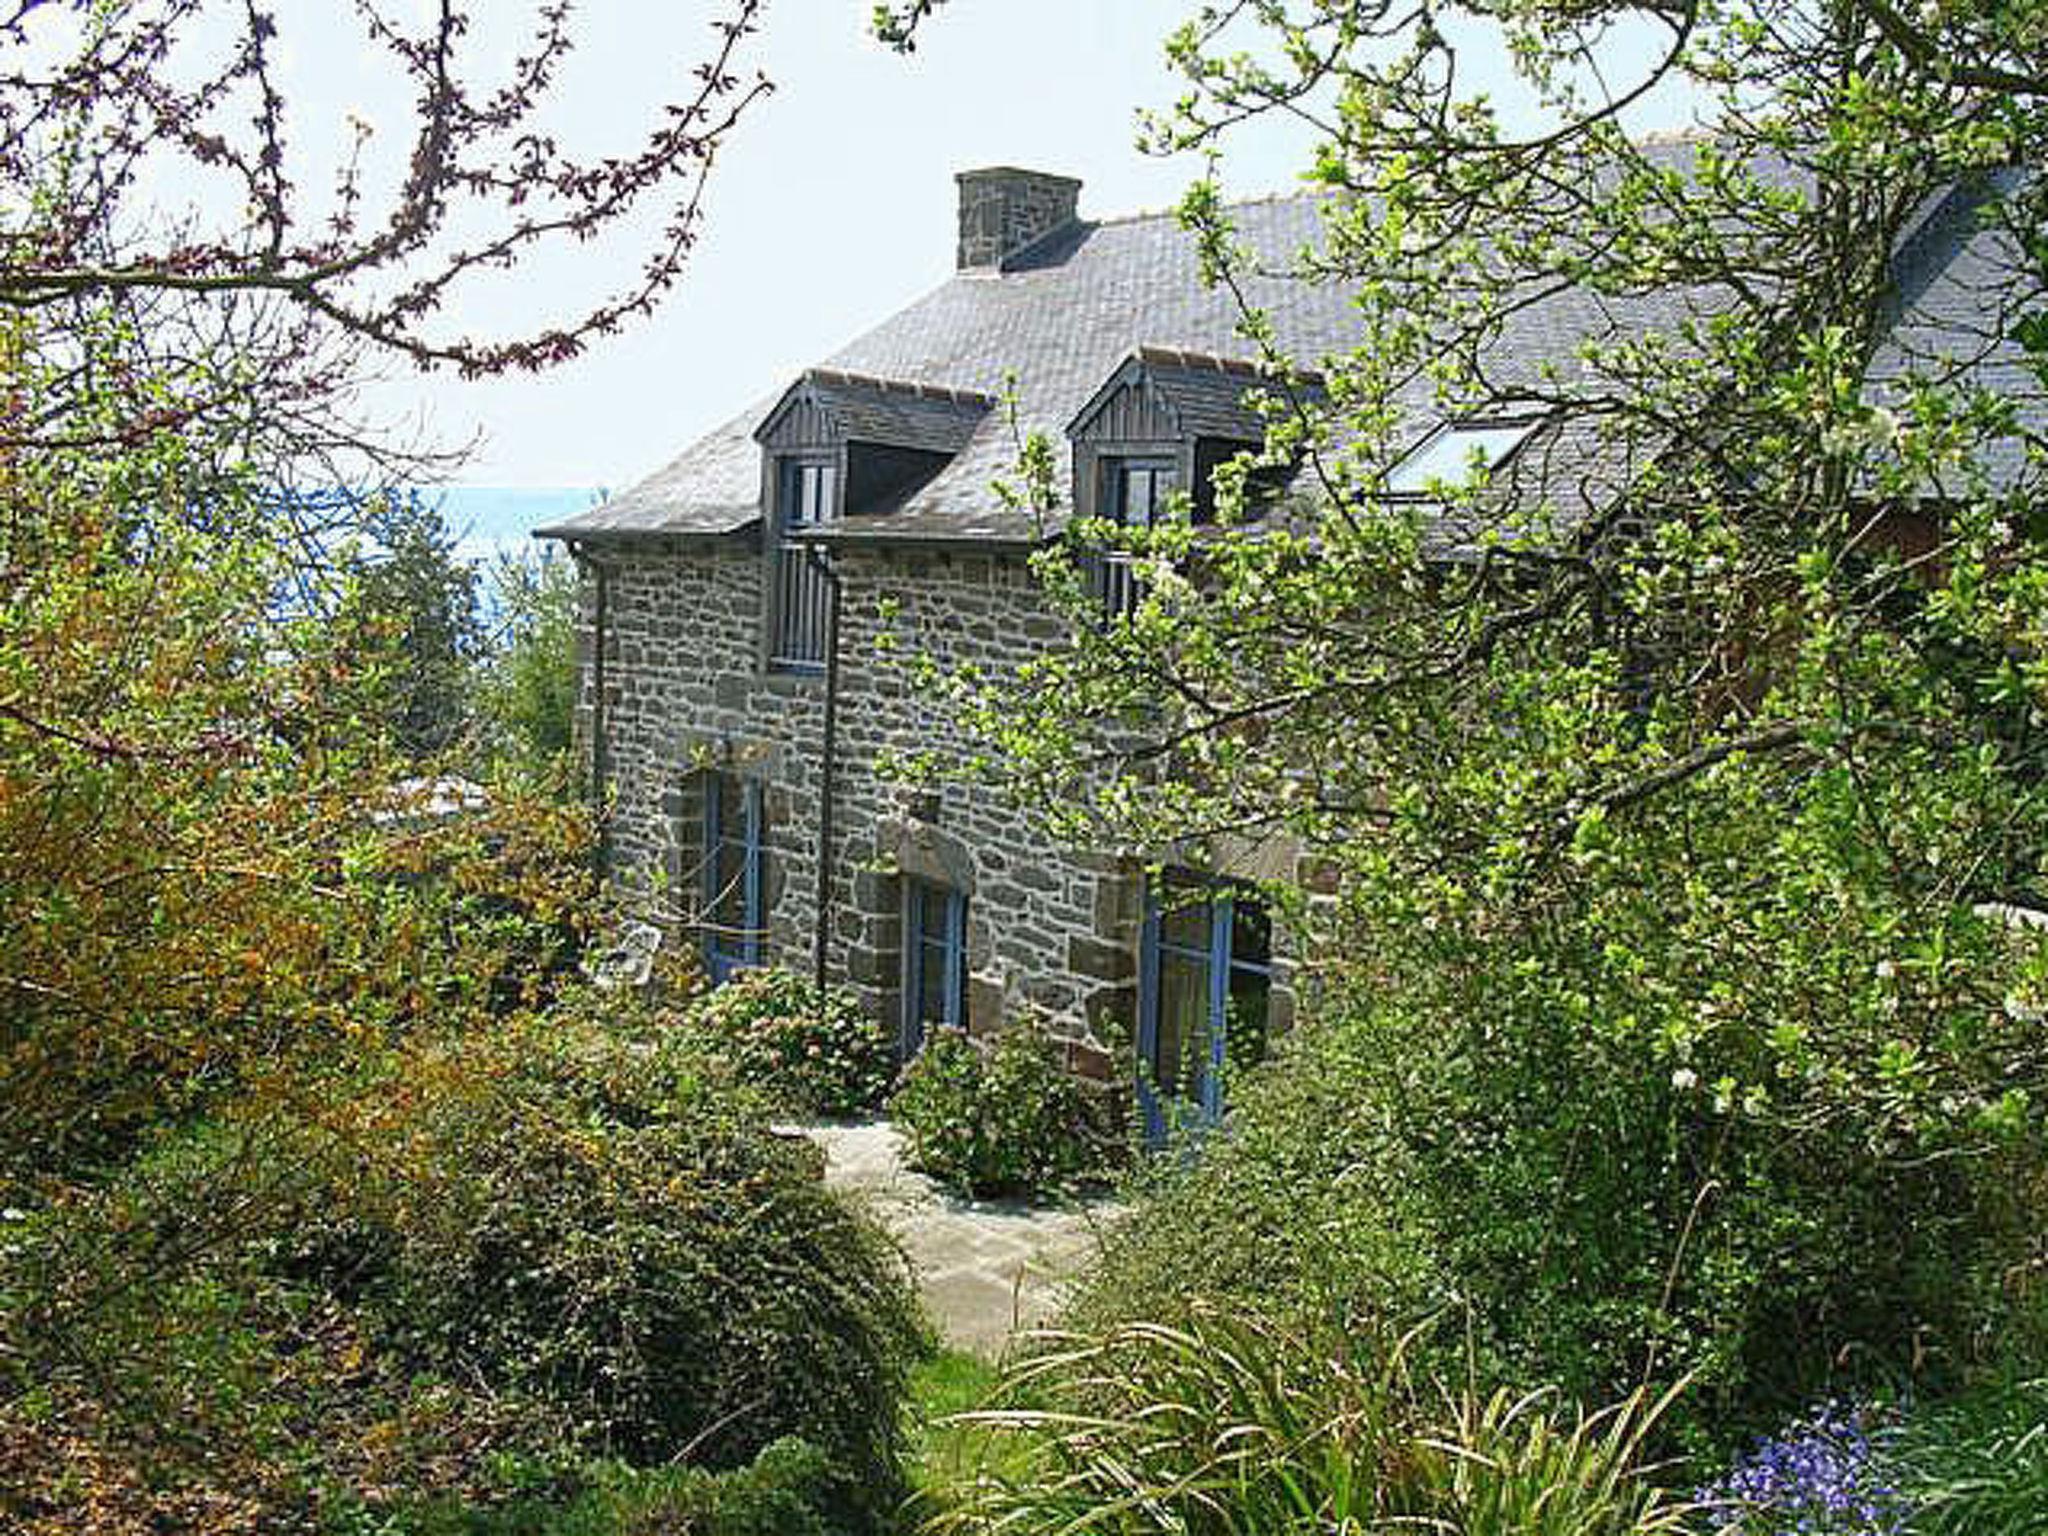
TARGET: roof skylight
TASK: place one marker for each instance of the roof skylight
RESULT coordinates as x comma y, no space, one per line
1450,458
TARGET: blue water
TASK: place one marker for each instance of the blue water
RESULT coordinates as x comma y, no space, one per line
489,520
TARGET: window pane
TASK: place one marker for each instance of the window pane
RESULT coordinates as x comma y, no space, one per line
1184,922
1447,458
931,983
932,914
1251,932
729,888
1245,1016
1181,1055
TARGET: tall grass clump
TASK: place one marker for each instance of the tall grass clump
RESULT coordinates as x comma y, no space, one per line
1233,1425
1977,1465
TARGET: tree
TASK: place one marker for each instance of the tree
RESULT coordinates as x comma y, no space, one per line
161,187
414,602
528,685
1676,778
112,97
193,763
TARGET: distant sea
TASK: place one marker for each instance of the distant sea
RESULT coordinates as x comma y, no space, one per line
493,520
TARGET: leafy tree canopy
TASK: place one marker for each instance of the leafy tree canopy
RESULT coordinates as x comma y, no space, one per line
1678,780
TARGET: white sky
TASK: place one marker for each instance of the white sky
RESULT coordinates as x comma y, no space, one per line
831,207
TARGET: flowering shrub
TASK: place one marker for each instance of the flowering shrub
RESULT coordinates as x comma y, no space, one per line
1821,1477
1000,1119
818,1056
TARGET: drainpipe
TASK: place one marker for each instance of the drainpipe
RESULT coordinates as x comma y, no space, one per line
600,756
827,767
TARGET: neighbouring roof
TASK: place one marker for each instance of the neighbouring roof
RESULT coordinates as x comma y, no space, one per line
1047,336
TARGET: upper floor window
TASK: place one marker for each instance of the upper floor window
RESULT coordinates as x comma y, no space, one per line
799,606
1134,490
1133,493
1205,979
808,492
934,961
734,896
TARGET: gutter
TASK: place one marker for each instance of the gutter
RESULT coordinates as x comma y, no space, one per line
600,756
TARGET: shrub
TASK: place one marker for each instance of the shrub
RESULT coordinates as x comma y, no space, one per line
1597,1216
1002,1119
1239,1424
554,1248
816,1055
788,1490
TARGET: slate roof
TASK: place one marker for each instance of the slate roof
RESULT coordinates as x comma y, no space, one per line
1961,284
1087,299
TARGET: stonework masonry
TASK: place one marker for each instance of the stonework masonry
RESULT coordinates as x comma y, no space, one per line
1051,931
1004,211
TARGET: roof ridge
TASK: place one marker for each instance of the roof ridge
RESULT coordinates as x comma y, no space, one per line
1177,357
942,392
1260,200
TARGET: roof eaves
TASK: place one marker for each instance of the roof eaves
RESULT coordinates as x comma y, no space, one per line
843,535
730,533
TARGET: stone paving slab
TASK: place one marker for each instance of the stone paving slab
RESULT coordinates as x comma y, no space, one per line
986,1269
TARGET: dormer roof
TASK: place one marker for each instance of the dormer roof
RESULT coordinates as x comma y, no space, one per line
830,405
1195,395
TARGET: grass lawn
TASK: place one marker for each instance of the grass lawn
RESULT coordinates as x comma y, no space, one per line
953,1382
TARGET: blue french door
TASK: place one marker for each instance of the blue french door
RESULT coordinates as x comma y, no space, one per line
1205,979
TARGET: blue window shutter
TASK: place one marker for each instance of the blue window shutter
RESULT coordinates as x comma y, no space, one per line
751,946
1220,910
955,1010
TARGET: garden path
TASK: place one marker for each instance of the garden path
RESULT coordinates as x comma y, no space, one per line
987,1268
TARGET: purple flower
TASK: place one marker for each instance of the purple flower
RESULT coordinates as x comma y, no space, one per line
1817,1478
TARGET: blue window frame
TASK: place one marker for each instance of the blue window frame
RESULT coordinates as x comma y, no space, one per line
1205,980
733,890
934,961
806,495
1134,492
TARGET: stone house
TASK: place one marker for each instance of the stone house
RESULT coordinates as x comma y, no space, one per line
737,709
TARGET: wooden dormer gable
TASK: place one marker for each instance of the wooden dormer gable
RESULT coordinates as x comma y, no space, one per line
1161,404
883,438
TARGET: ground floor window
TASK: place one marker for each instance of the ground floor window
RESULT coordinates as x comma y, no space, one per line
1205,979
934,961
733,891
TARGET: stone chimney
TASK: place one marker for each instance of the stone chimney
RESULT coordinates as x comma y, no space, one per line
1003,210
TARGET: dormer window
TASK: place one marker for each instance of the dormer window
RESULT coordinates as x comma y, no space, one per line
840,449
1160,424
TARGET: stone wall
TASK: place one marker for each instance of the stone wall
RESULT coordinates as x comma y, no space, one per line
1050,929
